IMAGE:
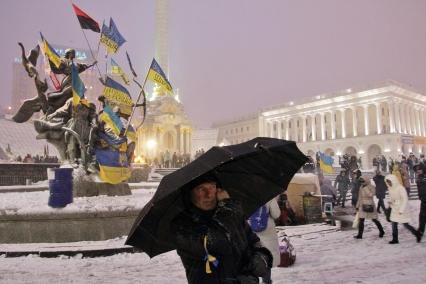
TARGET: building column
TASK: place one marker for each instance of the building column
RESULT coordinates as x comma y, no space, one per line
408,119
354,122
343,117
313,128
417,116
392,118
366,124
287,132
333,125
422,122
304,137
188,141
403,118
322,126
413,120
295,129
279,129
379,118
397,119
181,139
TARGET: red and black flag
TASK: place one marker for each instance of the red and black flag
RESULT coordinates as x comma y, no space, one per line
86,22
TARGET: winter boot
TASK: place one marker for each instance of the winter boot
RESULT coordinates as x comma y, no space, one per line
360,229
380,227
394,242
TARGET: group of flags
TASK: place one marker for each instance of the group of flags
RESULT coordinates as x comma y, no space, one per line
113,164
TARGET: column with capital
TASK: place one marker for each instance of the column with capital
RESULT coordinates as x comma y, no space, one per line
366,124
314,127
413,120
333,125
403,118
354,122
408,116
392,118
343,117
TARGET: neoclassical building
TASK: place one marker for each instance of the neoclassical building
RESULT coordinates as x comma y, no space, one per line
386,119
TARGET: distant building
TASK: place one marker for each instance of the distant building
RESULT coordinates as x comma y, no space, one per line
386,119
203,139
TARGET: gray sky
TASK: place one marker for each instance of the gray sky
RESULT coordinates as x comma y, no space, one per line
232,57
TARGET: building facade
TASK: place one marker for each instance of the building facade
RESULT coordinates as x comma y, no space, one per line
387,119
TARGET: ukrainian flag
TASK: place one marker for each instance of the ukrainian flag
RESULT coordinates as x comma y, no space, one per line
50,52
113,165
78,88
111,37
157,75
117,70
131,135
116,92
326,163
111,119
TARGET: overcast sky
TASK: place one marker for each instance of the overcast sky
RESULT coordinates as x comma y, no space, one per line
232,57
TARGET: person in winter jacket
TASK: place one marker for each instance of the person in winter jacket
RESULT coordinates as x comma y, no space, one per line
269,237
399,204
421,187
342,181
381,189
213,239
355,185
366,198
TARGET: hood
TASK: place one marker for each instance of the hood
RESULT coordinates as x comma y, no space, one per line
394,180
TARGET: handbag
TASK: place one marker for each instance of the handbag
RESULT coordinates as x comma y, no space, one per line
368,208
355,221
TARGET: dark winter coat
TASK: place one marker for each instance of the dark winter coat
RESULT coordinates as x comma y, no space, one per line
355,185
381,186
342,182
229,239
421,186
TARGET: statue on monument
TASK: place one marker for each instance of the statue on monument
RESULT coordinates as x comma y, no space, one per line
76,130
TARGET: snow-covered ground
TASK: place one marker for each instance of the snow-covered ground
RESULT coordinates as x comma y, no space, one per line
322,257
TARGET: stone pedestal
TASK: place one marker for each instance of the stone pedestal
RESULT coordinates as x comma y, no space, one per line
83,188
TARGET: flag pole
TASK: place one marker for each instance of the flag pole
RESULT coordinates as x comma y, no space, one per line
88,44
137,100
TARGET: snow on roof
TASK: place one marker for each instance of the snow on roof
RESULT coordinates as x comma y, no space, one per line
21,137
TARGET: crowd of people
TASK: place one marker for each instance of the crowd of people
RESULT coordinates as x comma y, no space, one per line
168,160
36,159
363,191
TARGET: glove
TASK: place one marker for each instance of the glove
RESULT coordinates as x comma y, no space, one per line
258,265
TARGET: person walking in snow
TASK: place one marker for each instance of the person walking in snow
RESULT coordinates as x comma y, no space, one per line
421,189
399,208
366,207
355,185
342,181
381,189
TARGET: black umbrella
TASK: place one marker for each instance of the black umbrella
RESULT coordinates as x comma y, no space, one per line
253,172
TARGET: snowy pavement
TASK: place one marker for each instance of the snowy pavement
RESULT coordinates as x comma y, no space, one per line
322,257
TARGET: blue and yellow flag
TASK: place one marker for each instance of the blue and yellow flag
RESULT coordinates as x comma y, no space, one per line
111,119
50,52
131,135
117,70
78,88
326,163
113,165
157,75
116,92
111,37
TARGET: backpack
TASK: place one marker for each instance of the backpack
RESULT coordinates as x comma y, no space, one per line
259,219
